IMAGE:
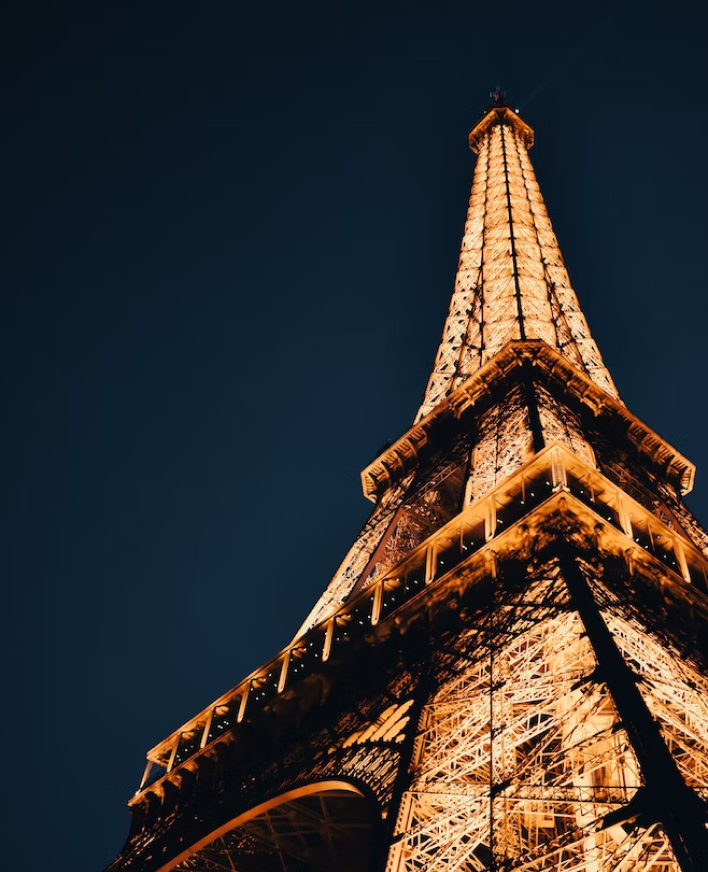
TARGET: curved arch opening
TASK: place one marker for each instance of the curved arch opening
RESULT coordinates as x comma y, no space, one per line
317,828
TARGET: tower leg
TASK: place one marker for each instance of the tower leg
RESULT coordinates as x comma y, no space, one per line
665,798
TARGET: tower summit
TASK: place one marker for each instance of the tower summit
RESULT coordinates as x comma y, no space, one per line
508,670
511,281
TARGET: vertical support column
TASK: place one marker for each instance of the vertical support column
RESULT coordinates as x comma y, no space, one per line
558,474
490,519
173,753
146,774
207,727
539,442
512,240
681,558
624,517
284,672
666,797
329,635
431,555
469,495
376,605
244,700
388,855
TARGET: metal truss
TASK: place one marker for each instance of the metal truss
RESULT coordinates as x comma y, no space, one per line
321,831
504,443
511,281
511,285
499,521
676,695
521,758
502,741
358,557
504,672
559,424
407,514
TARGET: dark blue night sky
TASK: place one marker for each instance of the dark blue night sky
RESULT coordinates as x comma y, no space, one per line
231,233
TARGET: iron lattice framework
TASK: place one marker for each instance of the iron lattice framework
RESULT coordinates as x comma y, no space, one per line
511,280
508,671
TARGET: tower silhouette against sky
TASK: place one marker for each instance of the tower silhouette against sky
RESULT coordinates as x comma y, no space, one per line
507,672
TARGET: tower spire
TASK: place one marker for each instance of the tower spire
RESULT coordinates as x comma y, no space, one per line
511,281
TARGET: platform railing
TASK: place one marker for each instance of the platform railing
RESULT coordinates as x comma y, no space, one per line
552,470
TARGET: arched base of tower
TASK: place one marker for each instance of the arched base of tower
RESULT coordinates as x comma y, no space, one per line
312,829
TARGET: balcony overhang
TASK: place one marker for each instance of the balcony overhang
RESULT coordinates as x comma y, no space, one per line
510,519
402,456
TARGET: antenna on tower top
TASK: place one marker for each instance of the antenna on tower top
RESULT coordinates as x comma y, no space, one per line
498,96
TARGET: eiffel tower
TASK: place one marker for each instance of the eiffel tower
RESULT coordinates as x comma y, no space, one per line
508,670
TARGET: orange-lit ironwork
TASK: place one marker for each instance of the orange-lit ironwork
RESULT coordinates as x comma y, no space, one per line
511,280
508,671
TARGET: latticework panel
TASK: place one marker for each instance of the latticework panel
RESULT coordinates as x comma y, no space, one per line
521,756
406,515
504,442
677,696
644,485
511,281
359,555
559,424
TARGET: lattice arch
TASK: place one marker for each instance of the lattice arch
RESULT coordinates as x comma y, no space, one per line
324,825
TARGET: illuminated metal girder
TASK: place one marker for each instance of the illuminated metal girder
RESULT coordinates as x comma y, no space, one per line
511,280
508,670
517,752
511,285
521,758
536,385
